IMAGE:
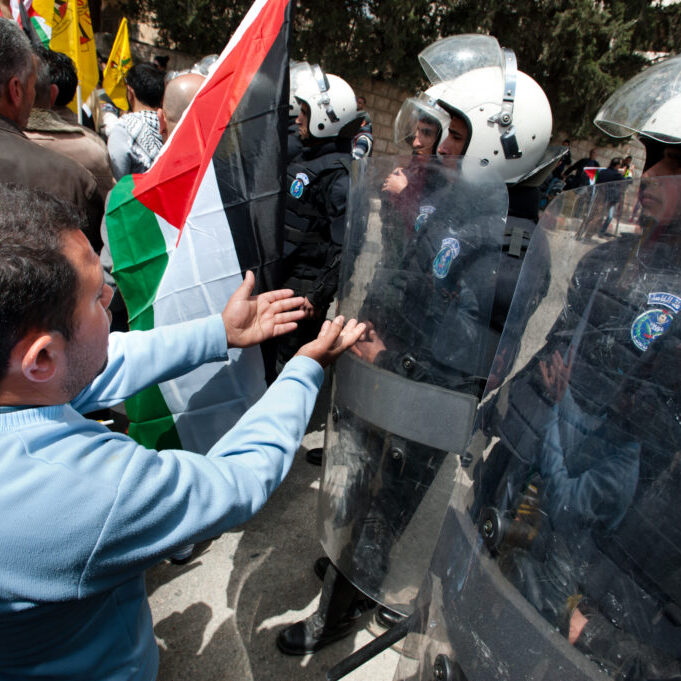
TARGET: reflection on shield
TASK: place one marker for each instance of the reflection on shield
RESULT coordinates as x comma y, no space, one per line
560,553
419,266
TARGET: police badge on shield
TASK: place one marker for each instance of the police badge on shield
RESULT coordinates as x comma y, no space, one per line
653,323
449,250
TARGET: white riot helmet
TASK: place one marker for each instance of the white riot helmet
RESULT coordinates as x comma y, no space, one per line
506,112
648,105
204,67
332,104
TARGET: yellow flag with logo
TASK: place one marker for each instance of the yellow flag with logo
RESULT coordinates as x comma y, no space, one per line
120,61
73,35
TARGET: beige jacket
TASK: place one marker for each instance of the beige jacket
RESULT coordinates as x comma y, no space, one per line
49,130
26,163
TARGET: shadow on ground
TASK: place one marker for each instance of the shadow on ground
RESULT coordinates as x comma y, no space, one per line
217,618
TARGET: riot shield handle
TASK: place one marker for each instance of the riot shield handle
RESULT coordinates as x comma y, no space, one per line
396,633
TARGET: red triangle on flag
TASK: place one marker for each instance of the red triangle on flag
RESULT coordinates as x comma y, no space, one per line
592,173
170,186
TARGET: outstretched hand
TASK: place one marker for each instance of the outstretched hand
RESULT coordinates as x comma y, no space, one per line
370,345
252,319
333,340
556,376
396,182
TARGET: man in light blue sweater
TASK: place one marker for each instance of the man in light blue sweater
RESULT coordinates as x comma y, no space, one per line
85,511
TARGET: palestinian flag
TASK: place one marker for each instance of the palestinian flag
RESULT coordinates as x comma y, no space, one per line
36,14
211,207
592,174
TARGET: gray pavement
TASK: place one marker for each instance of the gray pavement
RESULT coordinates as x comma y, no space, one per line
217,617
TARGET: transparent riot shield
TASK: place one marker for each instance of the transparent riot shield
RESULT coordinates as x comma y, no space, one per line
420,257
560,553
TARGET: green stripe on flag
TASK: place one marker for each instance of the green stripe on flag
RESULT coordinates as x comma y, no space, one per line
44,38
151,427
138,252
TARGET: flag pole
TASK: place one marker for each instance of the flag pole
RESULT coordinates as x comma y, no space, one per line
79,101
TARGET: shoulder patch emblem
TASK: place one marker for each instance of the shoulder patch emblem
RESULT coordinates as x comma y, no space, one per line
653,323
424,213
297,188
449,251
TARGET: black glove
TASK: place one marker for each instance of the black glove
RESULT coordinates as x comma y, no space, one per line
550,584
620,654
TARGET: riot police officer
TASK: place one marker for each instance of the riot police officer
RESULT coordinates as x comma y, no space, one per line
431,332
577,501
317,181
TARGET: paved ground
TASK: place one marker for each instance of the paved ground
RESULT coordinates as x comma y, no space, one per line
217,617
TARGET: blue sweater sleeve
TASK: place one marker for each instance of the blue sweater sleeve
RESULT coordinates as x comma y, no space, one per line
168,499
138,359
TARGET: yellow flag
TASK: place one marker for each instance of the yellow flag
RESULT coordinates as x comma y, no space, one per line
120,61
72,34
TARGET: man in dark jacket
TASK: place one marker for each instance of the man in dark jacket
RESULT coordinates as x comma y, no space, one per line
595,430
575,176
613,193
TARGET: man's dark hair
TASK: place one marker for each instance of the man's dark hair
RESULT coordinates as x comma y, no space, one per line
38,284
615,162
63,74
43,79
147,83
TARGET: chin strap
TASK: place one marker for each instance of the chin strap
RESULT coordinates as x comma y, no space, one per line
504,117
323,85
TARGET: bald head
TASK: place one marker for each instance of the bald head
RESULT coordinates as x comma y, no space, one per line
178,95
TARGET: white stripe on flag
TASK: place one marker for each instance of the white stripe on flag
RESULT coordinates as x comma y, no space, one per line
202,273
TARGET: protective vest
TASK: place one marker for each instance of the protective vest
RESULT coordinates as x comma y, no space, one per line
434,309
314,224
309,211
622,310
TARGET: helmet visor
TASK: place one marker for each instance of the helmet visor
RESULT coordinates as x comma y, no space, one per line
420,118
451,57
300,72
649,104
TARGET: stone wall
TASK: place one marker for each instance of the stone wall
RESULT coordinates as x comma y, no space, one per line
383,103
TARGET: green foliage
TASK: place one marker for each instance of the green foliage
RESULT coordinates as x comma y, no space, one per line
198,27
578,50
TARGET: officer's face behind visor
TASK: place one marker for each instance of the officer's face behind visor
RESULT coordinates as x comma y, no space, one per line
456,140
424,140
303,121
660,200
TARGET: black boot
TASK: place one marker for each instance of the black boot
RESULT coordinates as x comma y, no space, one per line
320,566
336,617
314,456
310,635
